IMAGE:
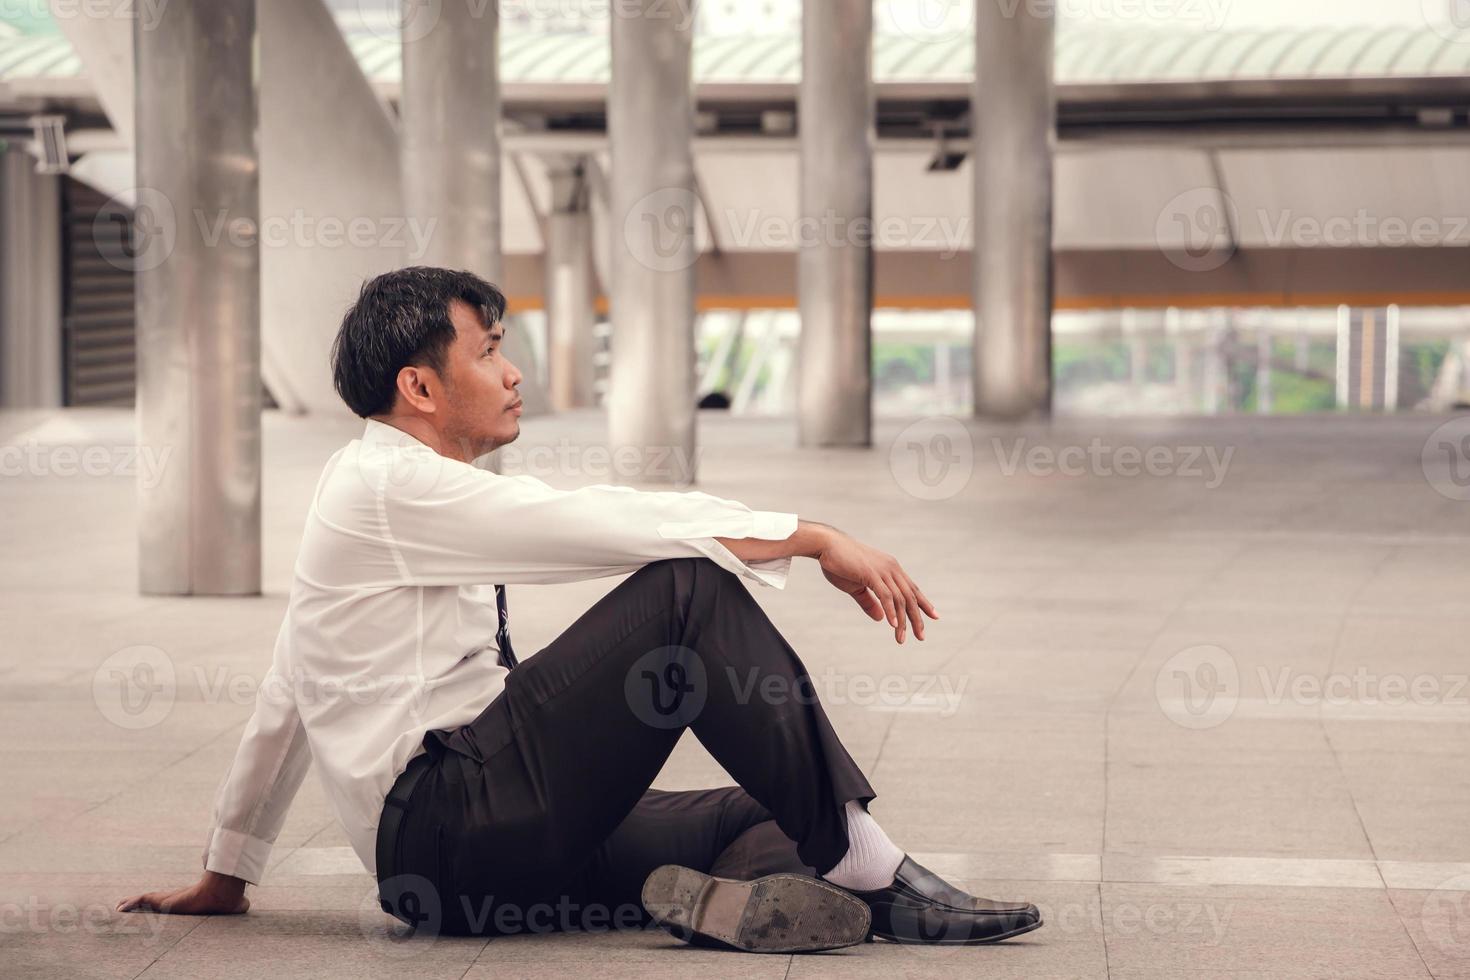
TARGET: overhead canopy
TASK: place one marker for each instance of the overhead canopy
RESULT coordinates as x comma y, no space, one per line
32,50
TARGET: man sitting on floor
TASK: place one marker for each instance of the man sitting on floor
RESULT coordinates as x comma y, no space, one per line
476,789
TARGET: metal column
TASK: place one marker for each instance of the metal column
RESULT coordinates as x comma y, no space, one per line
450,147
650,117
449,134
569,289
1013,137
30,284
198,299
835,270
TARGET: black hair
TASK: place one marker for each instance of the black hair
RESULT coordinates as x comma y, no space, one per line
402,318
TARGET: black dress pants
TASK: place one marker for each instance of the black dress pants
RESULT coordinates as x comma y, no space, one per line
538,815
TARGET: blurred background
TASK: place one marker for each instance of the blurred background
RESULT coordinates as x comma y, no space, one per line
1138,329
1242,189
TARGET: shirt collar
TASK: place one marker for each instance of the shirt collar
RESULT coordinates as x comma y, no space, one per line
377,433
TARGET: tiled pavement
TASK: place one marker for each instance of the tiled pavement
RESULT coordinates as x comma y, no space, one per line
1212,717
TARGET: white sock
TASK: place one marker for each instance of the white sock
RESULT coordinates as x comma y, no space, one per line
871,860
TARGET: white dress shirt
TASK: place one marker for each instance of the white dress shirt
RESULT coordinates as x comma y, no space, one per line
390,628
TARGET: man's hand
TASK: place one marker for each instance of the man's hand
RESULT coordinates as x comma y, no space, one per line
876,582
213,894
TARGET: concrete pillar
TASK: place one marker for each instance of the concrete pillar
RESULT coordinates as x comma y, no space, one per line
835,273
1216,365
1013,136
569,288
450,147
30,284
449,134
1263,371
198,299
650,121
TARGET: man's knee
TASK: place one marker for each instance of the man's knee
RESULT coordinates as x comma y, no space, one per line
690,574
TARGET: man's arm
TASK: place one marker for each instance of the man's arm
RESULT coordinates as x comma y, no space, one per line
250,804
874,579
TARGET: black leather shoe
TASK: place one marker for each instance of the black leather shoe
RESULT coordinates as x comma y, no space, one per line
921,907
780,913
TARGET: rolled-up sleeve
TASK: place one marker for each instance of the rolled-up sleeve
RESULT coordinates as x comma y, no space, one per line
255,794
478,526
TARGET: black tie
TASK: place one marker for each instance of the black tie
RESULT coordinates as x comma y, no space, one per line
502,635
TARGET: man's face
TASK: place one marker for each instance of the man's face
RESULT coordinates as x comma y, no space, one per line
484,408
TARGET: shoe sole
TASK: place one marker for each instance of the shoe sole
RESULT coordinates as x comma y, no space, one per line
780,913
1001,937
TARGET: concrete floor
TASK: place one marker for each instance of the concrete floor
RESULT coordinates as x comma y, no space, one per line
1212,718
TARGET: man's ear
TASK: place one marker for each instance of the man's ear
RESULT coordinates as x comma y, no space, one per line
418,386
